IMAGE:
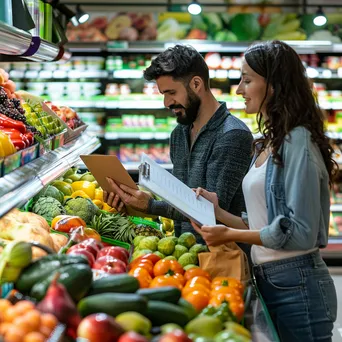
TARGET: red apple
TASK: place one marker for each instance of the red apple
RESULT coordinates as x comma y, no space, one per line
110,265
93,242
115,252
175,336
87,254
82,246
132,336
99,328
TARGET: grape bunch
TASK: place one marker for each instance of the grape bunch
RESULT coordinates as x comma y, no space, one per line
12,108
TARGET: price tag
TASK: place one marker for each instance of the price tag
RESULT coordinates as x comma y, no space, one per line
117,45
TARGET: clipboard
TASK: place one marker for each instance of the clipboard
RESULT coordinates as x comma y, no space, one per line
163,184
102,166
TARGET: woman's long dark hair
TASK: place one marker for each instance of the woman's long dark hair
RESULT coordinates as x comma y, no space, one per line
292,102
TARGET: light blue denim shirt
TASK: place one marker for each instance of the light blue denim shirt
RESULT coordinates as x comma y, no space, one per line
297,196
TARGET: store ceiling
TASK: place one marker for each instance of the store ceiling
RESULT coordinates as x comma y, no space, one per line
208,5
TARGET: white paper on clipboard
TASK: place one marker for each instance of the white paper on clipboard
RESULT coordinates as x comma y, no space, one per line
163,184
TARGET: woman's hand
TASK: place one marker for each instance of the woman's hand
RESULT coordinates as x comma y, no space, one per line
123,195
210,196
214,235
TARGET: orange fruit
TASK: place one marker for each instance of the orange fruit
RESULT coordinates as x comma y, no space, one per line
10,314
198,299
33,318
34,337
195,272
13,334
48,320
46,331
200,280
24,306
4,304
4,327
23,324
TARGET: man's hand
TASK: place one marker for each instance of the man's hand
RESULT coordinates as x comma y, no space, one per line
123,195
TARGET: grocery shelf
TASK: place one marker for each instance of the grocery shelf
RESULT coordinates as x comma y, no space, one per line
302,47
315,73
22,184
137,135
131,167
333,249
19,43
336,208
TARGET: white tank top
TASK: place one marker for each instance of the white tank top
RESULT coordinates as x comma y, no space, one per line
253,187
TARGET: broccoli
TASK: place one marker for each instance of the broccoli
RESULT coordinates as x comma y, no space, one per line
82,207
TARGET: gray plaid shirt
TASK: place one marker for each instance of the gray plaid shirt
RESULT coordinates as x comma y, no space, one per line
217,161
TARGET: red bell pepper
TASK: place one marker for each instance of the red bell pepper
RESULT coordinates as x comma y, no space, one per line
7,122
19,144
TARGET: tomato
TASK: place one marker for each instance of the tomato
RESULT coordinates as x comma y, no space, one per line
237,308
198,299
142,275
170,267
145,263
166,280
180,278
200,280
234,293
195,272
150,257
227,281
195,287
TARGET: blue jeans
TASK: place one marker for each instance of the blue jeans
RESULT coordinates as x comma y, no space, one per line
300,296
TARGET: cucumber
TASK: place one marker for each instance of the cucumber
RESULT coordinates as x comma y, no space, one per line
42,268
188,308
112,304
160,313
168,294
119,283
76,279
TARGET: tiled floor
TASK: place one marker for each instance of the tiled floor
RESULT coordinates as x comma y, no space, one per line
337,275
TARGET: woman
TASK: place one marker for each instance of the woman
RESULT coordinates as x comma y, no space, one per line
287,196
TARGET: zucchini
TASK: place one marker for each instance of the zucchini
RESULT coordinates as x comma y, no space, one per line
119,283
160,313
42,268
76,279
112,304
188,308
168,294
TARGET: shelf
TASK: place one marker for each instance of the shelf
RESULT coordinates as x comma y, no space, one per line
302,47
22,184
333,249
19,43
137,135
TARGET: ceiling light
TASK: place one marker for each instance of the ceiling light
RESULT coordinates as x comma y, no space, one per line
81,16
320,19
194,8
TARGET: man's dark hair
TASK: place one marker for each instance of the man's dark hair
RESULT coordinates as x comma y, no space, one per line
180,62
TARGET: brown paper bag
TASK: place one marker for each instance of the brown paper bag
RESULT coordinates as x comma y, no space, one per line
225,261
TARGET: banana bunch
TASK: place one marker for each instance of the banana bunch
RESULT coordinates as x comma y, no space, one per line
284,27
15,256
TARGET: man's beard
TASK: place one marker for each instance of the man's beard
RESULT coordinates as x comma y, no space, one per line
191,109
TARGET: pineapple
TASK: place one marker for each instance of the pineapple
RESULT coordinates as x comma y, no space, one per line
144,230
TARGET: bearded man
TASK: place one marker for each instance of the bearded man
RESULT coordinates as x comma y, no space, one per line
209,148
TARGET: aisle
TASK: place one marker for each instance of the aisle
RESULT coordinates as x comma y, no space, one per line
336,273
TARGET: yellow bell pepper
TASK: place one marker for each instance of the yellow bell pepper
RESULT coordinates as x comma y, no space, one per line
98,203
87,187
108,208
6,146
98,194
79,193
